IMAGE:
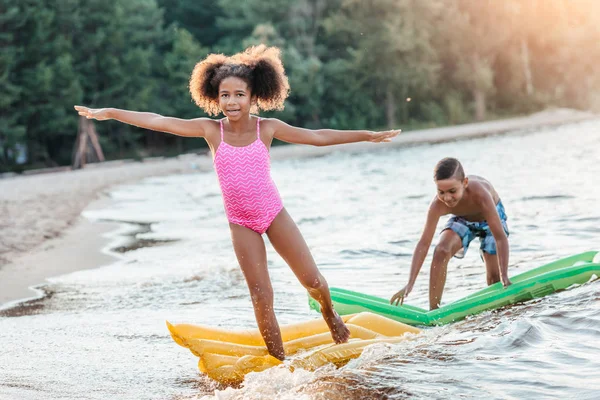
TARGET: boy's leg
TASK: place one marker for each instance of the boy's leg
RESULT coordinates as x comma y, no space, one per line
489,252
289,243
450,243
250,250
492,267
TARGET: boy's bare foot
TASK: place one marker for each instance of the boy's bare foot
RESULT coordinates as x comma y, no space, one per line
339,331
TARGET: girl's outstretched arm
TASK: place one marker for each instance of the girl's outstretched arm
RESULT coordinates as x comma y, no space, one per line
327,137
156,122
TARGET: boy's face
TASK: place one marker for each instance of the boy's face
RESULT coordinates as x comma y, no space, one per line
234,98
451,191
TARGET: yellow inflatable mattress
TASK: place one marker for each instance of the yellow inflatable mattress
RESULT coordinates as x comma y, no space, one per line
227,356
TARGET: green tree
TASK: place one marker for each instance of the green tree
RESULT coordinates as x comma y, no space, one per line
12,131
43,71
173,74
117,58
474,33
198,17
390,50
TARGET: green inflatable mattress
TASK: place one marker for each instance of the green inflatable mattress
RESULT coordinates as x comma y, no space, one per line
538,282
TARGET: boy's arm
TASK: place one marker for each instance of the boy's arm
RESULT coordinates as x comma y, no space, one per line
156,122
327,137
488,208
433,216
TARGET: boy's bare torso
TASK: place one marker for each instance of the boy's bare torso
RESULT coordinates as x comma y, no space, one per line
469,207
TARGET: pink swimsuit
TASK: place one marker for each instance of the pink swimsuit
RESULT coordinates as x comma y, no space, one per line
250,196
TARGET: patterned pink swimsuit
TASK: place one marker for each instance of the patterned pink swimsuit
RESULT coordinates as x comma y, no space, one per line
250,196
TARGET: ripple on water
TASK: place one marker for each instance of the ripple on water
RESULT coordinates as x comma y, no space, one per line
101,333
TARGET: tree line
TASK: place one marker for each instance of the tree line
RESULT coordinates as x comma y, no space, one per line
352,64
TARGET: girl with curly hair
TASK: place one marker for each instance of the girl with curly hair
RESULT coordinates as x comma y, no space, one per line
239,86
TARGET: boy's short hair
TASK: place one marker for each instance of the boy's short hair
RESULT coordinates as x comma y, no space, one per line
447,168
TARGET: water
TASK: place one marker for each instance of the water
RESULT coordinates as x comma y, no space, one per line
101,333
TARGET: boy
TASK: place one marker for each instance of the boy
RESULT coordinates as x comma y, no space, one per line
477,212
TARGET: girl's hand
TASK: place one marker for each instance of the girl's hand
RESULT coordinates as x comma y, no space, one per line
95,113
385,136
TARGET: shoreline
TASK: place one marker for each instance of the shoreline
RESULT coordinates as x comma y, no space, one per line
58,256
86,244
46,234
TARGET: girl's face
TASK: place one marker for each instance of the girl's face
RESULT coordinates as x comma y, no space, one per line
235,98
451,191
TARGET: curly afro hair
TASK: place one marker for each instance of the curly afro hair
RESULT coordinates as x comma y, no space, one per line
259,66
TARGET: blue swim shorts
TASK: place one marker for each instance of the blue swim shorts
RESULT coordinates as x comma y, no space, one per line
468,231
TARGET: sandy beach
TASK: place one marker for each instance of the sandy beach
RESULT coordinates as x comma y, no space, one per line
43,233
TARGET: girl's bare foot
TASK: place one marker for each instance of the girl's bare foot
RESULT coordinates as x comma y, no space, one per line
339,332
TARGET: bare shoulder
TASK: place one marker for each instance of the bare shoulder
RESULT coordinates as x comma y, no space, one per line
271,123
482,189
269,126
210,127
437,207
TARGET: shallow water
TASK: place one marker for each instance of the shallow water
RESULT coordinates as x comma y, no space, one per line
101,333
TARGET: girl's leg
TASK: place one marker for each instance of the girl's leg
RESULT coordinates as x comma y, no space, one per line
447,247
251,254
492,268
289,243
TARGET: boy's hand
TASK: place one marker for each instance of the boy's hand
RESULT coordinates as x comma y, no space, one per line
385,136
95,113
402,293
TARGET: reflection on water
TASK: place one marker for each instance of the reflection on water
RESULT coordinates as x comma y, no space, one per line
101,333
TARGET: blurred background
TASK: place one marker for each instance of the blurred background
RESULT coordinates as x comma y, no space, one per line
112,255
351,64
